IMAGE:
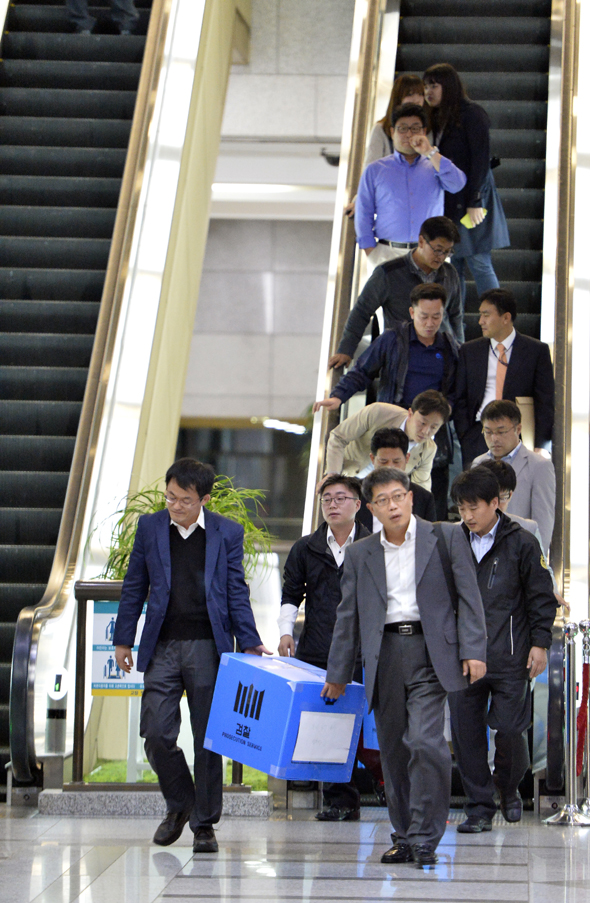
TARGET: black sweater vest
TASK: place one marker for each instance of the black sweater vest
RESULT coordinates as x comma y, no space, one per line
187,617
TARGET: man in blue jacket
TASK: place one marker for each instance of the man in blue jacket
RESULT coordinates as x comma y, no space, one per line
189,560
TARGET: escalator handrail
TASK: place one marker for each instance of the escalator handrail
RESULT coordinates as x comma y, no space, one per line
24,763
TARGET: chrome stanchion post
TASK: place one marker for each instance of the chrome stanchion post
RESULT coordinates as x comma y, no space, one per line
570,814
585,804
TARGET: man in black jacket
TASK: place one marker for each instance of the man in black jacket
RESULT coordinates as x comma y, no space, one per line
519,605
312,572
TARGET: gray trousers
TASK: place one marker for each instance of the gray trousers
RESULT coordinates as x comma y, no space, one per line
123,13
179,665
409,715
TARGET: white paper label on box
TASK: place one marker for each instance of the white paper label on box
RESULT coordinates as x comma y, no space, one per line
324,737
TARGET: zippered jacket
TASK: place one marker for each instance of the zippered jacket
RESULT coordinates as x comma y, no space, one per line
518,599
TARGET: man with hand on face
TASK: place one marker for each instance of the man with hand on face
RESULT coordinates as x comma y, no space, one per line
391,284
397,193
519,603
400,589
312,572
187,562
349,444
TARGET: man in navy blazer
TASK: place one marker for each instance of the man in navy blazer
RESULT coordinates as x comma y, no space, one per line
189,560
529,373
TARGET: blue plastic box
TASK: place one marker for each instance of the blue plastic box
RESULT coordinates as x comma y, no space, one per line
268,713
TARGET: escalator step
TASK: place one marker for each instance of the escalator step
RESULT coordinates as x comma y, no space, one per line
489,57
526,233
15,596
28,526
516,114
505,85
53,222
57,161
37,453
4,724
40,130
65,317
45,350
44,253
474,30
527,294
43,383
54,191
517,264
7,632
519,143
65,103
39,418
33,561
525,203
520,174
51,285
5,669
54,18
476,8
69,74
31,489
95,48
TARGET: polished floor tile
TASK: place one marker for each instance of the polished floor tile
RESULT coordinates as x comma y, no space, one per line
64,860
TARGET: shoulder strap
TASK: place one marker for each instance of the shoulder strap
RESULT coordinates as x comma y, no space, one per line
445,560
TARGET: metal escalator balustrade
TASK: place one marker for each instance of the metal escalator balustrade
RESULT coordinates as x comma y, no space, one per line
67,105
501,50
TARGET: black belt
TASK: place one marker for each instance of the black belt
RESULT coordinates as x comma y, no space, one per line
410,245
404,628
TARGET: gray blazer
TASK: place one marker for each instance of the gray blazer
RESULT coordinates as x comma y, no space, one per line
534,496
361,614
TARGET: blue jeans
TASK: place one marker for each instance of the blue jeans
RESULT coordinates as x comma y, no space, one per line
123,13
482,270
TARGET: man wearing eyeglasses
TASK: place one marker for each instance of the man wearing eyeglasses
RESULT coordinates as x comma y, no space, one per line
534,496
391,284
398,192
410,599
312,572
187,562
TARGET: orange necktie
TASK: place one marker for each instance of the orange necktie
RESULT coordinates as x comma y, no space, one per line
501,370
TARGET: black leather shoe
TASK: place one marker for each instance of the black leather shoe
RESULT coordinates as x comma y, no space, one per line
205,841
171,828
511,806
475,824
336,813
401,851
423,854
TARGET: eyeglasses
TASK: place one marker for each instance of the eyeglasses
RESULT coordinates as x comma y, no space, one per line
384,500
489,433
182,503
414,129
339,500
440,252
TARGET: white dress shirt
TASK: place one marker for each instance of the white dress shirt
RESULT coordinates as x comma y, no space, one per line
185,532
339,550
400,575
480,545
490,392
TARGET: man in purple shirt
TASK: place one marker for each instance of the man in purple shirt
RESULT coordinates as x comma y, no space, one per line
397,193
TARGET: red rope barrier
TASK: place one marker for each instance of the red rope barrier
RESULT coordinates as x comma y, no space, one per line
583,719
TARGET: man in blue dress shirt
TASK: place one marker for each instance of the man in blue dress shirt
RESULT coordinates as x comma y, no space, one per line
397,193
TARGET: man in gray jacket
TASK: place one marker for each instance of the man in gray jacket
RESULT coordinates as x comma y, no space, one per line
400,589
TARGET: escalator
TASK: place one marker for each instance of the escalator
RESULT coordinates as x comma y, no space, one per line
501,50
66,104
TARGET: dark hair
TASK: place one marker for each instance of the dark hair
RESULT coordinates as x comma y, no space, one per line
353,484
428,291
476,485
431,402
192,474
502,299
503,471
409,109
501,407
389,437
381,477
453,92
440,227
402,86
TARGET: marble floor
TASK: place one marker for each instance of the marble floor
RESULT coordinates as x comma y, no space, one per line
61,860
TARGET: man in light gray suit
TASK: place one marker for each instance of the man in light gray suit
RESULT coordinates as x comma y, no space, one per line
534,496
410,597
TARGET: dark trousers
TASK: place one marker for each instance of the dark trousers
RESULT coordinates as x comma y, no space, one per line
179,665
473,444
409,715
503,704
123,13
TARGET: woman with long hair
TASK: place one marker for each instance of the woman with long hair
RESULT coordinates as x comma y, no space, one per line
461,131
406,89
